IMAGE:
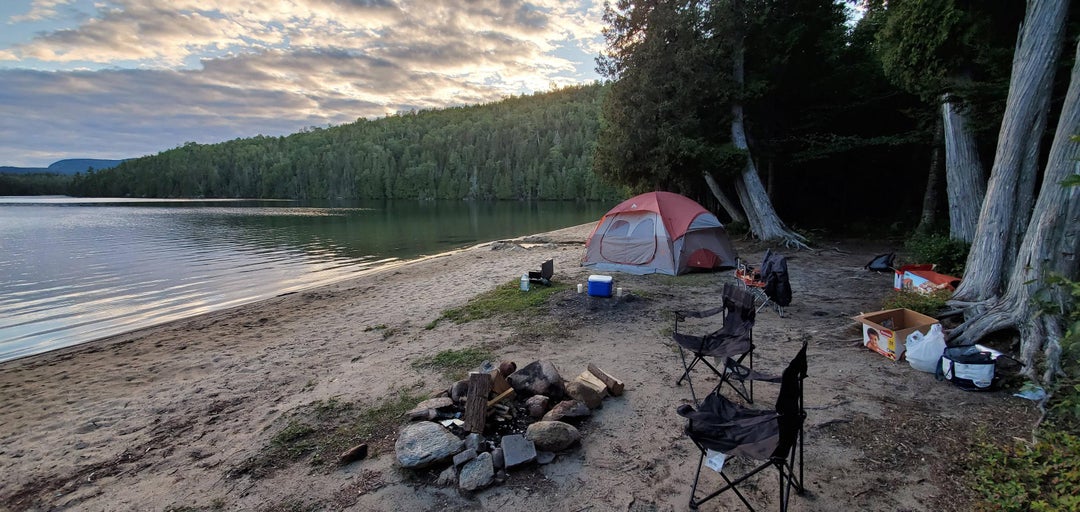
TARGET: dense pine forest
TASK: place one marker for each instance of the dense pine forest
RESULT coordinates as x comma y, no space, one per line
536,147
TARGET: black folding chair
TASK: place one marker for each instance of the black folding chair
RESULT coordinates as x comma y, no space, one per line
730,345
773,436
769,282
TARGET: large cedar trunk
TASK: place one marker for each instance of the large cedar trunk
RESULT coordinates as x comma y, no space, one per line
1049,247
1037,51
729,206
964,176
933,177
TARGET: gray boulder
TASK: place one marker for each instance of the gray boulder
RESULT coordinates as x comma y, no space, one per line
425,443
552,436
590,396
538,378
477,473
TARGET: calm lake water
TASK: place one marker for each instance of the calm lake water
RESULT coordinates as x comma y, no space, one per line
74,269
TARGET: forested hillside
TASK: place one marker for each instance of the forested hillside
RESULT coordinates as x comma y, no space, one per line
530,147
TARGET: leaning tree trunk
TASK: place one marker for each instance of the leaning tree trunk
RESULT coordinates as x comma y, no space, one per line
1037,50
930,195
964,176
729,206
1050,246
764,222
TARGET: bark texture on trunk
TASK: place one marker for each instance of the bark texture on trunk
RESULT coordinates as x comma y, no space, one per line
1050,247
1037,51
964,176
933,177
729,206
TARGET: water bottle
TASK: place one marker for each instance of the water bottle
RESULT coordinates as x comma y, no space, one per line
524,282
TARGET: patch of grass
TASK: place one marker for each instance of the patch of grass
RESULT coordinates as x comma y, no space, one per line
322,430
452,363
929,304
504,299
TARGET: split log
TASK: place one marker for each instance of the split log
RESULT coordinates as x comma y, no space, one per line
509,393
499,384
590,380
614,386
476,403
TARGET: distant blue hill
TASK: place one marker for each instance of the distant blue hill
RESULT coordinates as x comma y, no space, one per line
69,166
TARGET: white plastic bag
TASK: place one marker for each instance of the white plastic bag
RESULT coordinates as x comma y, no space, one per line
924,351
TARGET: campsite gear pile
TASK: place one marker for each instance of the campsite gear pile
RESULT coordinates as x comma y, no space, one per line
658,233
920,339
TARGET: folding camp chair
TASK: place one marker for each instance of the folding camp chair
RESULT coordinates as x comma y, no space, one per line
722,429
769,283
729,345
547,269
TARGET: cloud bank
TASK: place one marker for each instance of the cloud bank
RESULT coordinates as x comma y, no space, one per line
126,78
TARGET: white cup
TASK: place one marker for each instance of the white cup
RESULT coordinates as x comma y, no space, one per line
580,287
618,292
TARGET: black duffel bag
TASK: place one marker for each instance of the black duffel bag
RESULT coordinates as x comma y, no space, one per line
968,367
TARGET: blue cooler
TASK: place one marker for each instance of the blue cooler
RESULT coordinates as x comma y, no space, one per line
600,286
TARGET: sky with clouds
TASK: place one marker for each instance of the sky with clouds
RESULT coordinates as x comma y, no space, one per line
126,78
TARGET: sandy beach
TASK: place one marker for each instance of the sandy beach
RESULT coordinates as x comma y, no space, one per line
160,418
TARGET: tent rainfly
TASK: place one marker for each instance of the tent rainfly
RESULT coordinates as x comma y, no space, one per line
658,233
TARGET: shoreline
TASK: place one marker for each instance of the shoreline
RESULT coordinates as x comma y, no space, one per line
70,350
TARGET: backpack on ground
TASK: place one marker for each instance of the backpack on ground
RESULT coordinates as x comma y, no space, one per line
882,262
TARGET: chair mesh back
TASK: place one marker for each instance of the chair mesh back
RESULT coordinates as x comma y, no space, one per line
740,302
789,403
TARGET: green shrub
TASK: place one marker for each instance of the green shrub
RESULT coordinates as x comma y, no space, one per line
929,304
948,254
1022,477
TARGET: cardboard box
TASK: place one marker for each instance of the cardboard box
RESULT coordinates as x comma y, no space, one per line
885,332
898,277
600,286
927,281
